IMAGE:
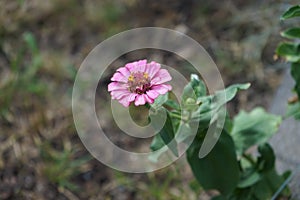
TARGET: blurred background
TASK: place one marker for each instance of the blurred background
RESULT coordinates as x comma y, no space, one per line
42,44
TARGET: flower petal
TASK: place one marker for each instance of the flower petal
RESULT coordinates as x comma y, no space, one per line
132,97
137,66
126,100
141,65
152,94
124,71
162,88
161,76
130,67
140,100
118,94
148,99
119,77
119,88
116,86
152,68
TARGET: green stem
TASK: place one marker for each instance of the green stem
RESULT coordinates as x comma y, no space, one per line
249,158
177,116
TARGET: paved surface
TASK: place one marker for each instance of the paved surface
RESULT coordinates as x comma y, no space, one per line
287,142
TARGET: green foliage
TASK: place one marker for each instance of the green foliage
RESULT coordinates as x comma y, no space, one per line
295,71
191,92
230,92
264,187
253,128
159,101
194,89
157,143
294,110
259,179
228,167
291,52
166,133
291,33
209,106
249,177
219,169
291,12
268,185
266,160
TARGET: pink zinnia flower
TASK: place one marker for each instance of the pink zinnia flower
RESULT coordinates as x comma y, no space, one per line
140,82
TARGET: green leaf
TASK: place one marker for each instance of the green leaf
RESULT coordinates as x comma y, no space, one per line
293,110
262,190
172,104
154,156
209,105
220,197
194,89
295,72
202,118
160,100
232,90
228,125
249,178
219,169
291,12
291,33
242,194
184,132
290,51
269,184
266,160
253,128
166,132
197,85
223,96
157,143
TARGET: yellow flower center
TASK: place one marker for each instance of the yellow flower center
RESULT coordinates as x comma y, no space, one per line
138,82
